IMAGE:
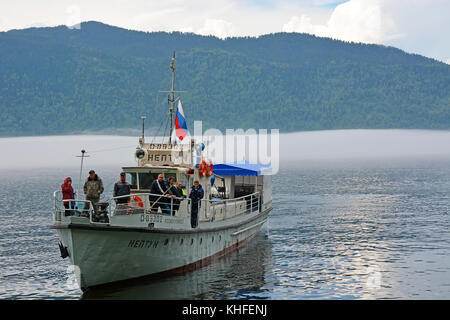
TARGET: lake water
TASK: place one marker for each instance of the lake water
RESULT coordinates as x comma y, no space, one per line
374,224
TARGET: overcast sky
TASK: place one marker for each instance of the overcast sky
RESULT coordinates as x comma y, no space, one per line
416,26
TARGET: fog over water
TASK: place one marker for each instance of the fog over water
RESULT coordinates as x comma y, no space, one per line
338,146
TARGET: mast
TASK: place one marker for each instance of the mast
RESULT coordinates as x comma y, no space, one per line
172,99
143,120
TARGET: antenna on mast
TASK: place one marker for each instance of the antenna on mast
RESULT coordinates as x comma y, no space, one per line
81,170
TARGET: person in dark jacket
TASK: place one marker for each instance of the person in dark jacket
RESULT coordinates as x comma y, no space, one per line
159,190
172,193
122,188
179,193
196,195
67,194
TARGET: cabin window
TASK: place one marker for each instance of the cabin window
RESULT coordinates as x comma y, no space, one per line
132,179
145,180
184,181
244,185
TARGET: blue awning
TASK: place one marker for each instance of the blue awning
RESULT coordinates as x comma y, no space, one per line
241,169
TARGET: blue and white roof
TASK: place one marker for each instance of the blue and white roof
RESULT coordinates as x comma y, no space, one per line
241,169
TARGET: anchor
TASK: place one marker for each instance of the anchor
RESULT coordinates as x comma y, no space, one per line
64,252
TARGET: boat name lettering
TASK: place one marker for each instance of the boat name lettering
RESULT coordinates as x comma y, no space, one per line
142,244
164,146
159,157
151,218
176,221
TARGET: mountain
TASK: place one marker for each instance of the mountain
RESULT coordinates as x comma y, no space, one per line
59,80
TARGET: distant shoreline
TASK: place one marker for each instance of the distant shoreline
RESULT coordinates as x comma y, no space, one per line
138,133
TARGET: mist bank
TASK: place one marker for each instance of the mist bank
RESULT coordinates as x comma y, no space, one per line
333,148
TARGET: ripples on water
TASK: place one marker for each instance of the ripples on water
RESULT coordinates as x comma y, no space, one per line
348,232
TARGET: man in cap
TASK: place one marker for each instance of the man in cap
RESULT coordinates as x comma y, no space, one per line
122,188
93,188
196,197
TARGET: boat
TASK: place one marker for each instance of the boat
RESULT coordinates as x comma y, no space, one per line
122,241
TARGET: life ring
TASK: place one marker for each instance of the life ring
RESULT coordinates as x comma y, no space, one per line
135,202
209,168
202,168
139,201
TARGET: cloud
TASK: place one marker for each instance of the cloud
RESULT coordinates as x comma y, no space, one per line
418,26
356,20
220,28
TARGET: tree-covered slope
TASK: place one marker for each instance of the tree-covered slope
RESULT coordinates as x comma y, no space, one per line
58,80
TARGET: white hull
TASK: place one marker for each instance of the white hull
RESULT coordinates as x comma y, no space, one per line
105,254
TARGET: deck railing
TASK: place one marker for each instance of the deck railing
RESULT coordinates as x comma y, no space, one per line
72,207
215,209
222,209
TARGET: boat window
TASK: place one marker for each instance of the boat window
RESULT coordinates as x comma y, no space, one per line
184,181
132,179
244,185
146,179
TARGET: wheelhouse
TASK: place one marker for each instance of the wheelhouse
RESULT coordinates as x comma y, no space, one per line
141,178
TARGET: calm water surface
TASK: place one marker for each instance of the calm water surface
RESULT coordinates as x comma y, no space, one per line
337,231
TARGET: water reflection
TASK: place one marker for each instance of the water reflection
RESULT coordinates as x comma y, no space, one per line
241,275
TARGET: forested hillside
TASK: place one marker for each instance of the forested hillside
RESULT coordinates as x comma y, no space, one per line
58,80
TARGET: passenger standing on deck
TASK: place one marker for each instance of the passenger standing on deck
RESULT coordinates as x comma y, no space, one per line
122,188
196,195
93,188
172,193
159,187
68,193
179,193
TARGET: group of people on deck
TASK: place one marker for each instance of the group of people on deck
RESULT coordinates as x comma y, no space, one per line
170,189
166,195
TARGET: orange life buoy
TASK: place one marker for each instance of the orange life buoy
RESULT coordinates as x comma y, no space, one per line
139,201
209,168
135,202
202,168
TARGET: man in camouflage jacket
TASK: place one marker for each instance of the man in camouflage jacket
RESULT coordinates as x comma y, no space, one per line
93,188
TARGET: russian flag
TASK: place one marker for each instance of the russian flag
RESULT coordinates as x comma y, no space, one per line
180,122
